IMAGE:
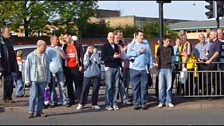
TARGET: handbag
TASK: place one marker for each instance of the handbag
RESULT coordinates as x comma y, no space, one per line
47,95
183,76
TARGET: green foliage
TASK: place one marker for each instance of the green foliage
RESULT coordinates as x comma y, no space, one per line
151,30
96,30
35,15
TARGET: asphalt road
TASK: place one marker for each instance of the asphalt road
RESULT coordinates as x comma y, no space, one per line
164,116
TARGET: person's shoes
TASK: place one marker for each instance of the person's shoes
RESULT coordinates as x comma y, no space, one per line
170,105
137,107
160,105
127,103
109,108
116,107
144,107
30,115
41,114
96,107
53,105
79,107
19,96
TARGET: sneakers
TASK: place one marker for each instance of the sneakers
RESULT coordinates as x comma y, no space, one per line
41,114
96,107
127,103
170,105
144,107
116,107
137,107
160,105
109,108
30,115
79,107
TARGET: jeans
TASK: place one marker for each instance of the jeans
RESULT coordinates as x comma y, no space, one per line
59,76
36,91
17,77
139,81
124,84
165,85
112,86
86,85
8,86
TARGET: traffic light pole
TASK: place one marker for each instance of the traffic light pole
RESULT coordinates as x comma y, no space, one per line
160,23
217,21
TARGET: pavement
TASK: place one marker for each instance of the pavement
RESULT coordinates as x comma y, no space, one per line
21,104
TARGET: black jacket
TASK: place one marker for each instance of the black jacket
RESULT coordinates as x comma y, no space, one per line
108,56
8,62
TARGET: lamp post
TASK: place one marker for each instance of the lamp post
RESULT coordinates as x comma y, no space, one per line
161,29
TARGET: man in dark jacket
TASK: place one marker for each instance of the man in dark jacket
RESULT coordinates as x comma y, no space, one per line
8,64
112,60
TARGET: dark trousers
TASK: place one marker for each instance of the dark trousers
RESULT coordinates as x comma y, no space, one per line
213,79
189,84
222,78
72,75
200,81
87,82
8,86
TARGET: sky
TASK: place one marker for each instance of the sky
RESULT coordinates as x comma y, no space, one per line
187,10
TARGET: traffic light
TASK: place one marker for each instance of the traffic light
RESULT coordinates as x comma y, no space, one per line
163,1
220,9
210,7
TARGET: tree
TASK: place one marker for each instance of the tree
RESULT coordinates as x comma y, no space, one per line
35,15
71,13
151,30
30,14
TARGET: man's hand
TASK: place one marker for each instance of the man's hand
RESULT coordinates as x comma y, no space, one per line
208,61
116,55
80,68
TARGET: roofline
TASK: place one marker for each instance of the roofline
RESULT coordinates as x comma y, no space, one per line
195,28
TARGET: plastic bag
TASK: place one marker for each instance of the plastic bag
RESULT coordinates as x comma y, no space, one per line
183,76
47,95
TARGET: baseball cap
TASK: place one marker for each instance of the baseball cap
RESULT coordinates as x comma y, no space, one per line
74,38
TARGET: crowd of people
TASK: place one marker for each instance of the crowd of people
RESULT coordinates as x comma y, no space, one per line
64,64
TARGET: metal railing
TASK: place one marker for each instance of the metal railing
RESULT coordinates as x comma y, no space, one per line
200,83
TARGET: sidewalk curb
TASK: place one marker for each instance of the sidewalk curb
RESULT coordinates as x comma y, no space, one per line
177,107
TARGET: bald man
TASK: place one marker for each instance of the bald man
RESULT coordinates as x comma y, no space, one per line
112,61
37,75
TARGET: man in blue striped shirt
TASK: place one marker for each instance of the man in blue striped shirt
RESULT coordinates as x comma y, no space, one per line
200,53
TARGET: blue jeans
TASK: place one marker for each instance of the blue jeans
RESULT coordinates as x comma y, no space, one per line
36,91
112,86
139,81
17,77
165,83
124,84
60,79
